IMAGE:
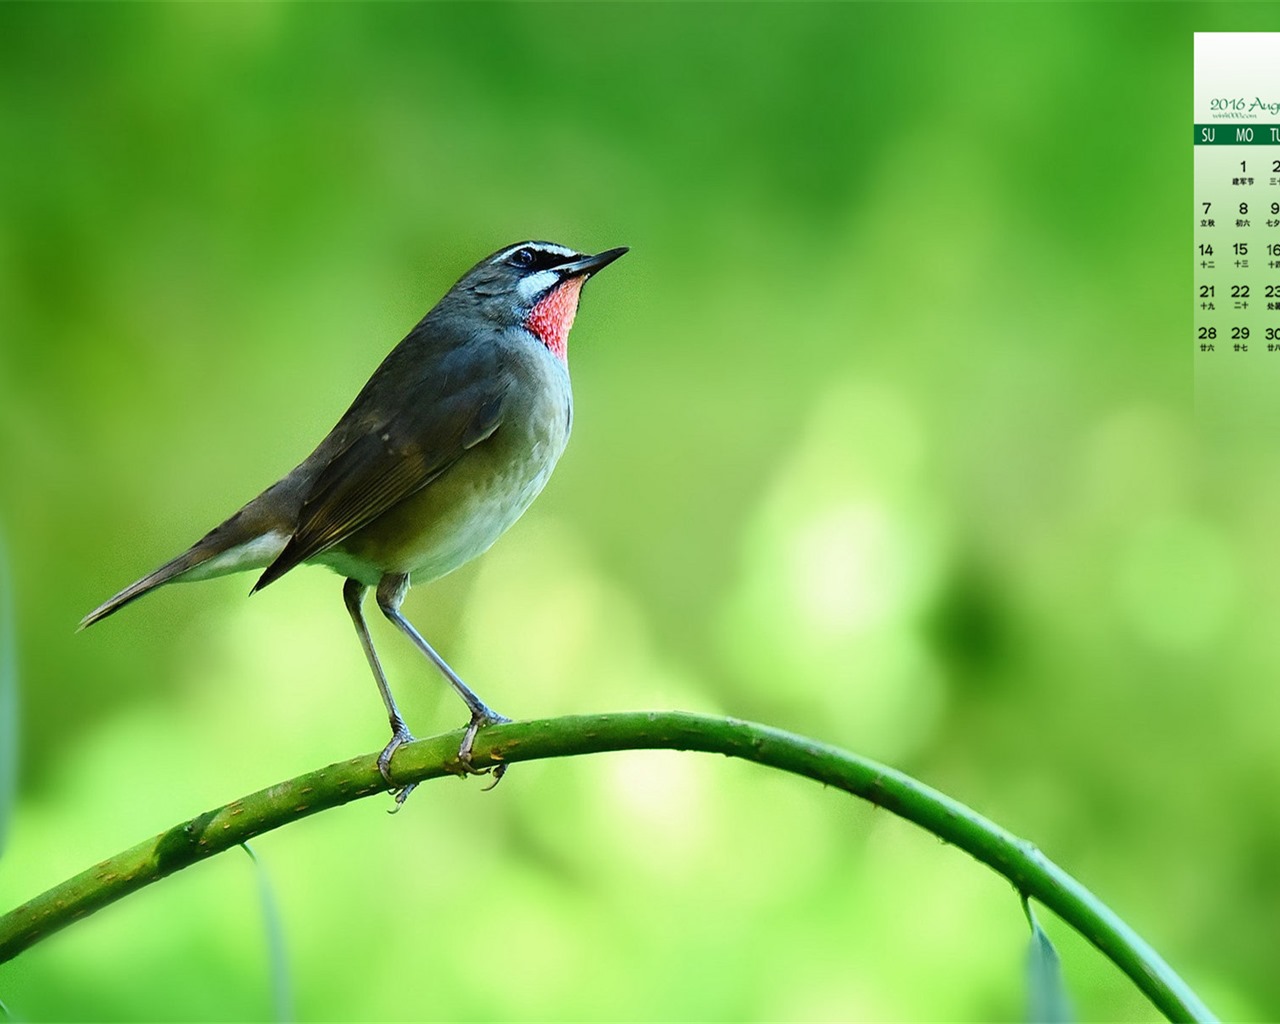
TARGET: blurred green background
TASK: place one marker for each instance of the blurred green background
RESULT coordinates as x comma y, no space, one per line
885,434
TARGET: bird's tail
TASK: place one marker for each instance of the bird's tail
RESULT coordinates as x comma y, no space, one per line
168,572
239,543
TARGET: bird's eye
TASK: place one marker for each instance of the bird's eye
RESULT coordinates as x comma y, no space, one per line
522,258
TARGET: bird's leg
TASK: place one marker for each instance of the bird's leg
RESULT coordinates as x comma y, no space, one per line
391,593
353,596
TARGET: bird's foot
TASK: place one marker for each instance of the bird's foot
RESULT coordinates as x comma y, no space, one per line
400,735
479,719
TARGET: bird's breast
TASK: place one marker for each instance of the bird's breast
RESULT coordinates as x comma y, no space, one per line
463,511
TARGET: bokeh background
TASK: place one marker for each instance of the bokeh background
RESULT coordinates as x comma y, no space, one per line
885,434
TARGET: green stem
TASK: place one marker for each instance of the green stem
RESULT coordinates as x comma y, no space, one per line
1032,874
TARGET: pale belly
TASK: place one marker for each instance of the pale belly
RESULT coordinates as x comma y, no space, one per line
460,514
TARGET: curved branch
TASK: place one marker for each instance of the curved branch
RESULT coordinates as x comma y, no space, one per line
1032,874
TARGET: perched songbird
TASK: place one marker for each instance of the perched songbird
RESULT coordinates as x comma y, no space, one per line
443,449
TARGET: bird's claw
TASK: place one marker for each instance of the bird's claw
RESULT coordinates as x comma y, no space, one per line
479,719
400,735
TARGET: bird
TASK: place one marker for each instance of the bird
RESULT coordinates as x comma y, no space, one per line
442,450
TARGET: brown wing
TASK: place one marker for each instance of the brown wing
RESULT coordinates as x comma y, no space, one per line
386,460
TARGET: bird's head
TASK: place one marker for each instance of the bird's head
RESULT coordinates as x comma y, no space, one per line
533,285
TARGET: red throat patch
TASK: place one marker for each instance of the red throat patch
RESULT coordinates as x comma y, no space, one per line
552,317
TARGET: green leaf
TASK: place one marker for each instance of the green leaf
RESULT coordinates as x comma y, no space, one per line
1047,1001
281,989
8,701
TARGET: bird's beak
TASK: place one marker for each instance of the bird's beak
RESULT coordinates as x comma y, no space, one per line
584,266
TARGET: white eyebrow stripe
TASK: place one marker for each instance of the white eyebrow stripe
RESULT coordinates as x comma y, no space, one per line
559,250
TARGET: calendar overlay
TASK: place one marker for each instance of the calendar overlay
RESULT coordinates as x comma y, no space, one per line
1236,236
